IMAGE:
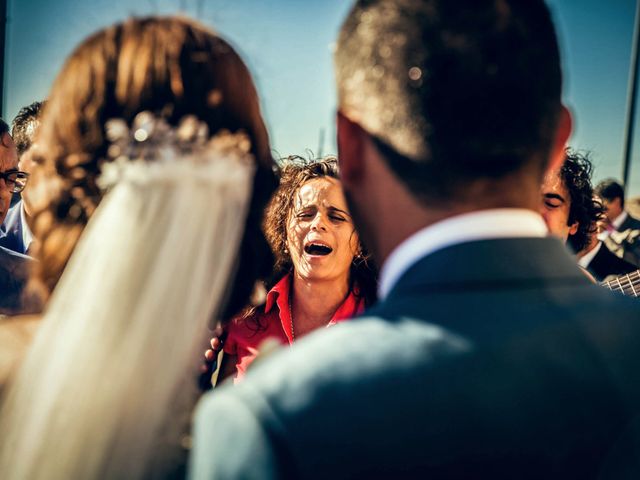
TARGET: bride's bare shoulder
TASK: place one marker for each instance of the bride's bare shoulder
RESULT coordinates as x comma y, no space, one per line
16,333
18,326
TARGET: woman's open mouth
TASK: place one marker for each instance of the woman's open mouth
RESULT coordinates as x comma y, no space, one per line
317,249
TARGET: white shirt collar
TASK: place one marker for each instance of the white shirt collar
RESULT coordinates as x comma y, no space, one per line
27,236
585,260
481,225
619,220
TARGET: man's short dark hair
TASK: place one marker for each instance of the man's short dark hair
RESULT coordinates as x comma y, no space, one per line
24,125
452,91
610,189
585,208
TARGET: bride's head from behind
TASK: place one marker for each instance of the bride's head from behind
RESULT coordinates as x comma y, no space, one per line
169,66
137,275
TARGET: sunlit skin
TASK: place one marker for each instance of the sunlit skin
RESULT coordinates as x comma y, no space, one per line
556,204
320,282
320,215
8,163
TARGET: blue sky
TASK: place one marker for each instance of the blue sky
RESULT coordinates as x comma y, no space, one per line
287,45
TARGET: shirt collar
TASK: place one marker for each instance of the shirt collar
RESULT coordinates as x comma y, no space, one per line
27,236
481,225
619,220
585,260
279,295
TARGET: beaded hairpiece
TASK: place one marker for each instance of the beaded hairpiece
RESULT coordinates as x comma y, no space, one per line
151,139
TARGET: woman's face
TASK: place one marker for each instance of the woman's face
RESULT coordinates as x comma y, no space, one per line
320,234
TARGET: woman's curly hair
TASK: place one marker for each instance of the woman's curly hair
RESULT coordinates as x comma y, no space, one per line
585,208
295,171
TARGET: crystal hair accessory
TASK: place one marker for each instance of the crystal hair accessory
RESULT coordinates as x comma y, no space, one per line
152,140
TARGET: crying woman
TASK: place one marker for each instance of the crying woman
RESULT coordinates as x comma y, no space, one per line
321,276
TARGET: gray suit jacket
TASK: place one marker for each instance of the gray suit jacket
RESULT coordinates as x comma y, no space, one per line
490,359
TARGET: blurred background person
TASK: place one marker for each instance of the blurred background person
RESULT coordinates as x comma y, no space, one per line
601,262
621,233
15,233
322,275
14,181
14,266
172,243
571,213
612,194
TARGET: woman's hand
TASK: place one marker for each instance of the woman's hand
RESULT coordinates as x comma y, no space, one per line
210,364
211,353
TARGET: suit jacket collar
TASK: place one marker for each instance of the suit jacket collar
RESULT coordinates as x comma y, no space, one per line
487,263
472,226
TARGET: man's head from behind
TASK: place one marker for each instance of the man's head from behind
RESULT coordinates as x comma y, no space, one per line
8,164
612,194
568,205
452,92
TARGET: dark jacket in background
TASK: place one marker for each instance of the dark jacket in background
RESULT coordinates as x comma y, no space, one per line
605,264
14,270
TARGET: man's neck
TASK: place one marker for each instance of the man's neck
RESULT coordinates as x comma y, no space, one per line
468,227
416,217
387,212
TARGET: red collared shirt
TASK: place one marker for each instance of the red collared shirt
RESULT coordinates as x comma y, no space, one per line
246,334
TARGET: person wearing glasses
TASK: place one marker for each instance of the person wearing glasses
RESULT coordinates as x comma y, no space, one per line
13,265
15,233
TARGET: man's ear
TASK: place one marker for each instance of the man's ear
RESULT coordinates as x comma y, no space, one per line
563,132
573,229
351,150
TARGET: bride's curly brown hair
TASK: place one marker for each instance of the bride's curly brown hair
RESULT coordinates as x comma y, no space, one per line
295,171
170,66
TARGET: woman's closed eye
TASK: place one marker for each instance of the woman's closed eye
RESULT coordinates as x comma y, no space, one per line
553,201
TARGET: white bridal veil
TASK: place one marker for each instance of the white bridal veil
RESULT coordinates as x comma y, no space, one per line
107,386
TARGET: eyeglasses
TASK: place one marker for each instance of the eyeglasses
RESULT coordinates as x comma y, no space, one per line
15,180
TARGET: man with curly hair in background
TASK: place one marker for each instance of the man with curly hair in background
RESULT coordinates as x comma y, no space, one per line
571,212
